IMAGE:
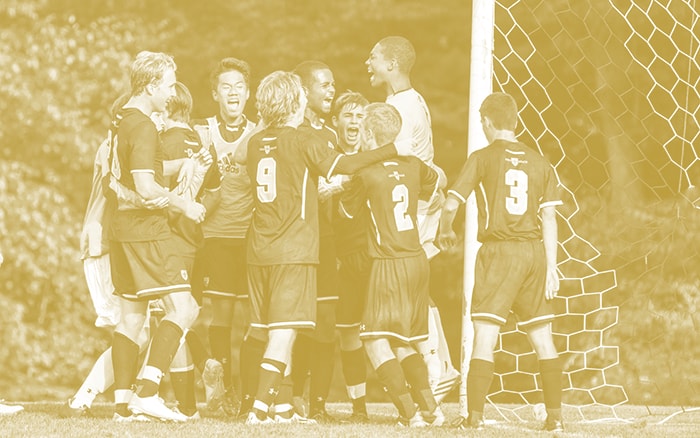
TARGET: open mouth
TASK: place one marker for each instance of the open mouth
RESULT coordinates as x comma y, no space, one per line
352,134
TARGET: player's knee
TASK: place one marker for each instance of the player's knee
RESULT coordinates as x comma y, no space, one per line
131,325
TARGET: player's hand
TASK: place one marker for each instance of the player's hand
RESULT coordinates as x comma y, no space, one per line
156,203
204,157
195,211
184,177
447,240
552,283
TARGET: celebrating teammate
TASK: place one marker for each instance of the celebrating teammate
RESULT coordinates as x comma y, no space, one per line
389,64
396,313
516,267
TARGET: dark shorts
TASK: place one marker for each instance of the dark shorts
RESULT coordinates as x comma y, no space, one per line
220,269
397,300
511,275
327,273
282,296
353,279
148,270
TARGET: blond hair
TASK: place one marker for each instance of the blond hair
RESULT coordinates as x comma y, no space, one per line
278,97
384,121
149,68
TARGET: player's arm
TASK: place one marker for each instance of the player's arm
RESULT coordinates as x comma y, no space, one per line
549,238
457,195
349,164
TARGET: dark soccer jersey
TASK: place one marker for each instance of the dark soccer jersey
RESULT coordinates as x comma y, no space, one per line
283,165
512,182
181,143
391,190
136,148
325,209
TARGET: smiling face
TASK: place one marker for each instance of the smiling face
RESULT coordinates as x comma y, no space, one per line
378,66
348,123
163,90
321,91
232,94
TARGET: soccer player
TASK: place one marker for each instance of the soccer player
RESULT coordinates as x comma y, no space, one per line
314,352
389,64
516,266
8,409
284,164
144,261
180,142
396,313
353,262
220,268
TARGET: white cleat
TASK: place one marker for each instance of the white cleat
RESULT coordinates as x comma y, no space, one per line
193,417
434,419
133,418
448,381
416,421
10,409
213,379
294,419
154,406
254,420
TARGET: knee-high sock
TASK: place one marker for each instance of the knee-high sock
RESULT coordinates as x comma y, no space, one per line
252,351
301,358
182,381
355,372
165,343
550,373
478,384
100,377
197,349
125,353
271,373
220,342
392,377
322,366
417,377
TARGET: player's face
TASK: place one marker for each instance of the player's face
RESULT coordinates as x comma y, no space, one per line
163,90
321,92
348,123
377,66
367,141
231,93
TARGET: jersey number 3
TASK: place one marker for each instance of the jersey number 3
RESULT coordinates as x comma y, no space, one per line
400,196
267,179
516,202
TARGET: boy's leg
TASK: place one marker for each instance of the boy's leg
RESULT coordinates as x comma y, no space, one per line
540,337
481,367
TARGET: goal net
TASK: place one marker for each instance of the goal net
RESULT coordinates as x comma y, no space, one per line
608,90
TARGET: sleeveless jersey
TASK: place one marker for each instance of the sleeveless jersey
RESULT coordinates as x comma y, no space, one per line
512,182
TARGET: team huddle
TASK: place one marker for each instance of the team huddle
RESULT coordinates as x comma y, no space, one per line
319,221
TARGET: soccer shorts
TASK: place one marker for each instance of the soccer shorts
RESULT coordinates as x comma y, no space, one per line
353,279
147,270
99,281
282,296
397,300
221,269
327,274
511,275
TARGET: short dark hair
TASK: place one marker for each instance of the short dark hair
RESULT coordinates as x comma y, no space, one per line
179,106
306,70
348,97
400,49
229,64
501,109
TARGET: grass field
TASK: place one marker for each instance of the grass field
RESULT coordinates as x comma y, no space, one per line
43,419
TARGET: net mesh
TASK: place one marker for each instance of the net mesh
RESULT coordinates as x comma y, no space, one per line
609,93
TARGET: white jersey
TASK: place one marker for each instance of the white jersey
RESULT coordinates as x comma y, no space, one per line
415,123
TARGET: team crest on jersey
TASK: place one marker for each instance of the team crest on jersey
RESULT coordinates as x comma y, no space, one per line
183,274
515,161
205,280
396,175
268,148
331,145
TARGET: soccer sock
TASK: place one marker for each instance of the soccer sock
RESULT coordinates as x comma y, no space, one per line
271,372
125,353
550,373
391,375
252,351
165,343
220,341
301,355
283,402
100,377
323,354
478,384
355,372
197,349
416,374
183,387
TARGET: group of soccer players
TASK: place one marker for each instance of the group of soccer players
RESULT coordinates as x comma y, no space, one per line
321,218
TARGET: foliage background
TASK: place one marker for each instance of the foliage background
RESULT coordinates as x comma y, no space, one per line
62,62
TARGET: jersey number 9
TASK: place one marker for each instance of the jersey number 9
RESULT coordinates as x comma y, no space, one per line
266,178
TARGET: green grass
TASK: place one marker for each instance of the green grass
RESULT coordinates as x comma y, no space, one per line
43,419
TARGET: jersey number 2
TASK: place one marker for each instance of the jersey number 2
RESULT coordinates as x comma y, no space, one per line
400,196
516,203
267,179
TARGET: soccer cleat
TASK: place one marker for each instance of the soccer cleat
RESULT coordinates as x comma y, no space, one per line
322,416
356,418
435,418
213,379
300,406
133,418
72,409
416,421
10,409
192,417
553,425
448,381
470,423
154,406
254,420
294,419
228,403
